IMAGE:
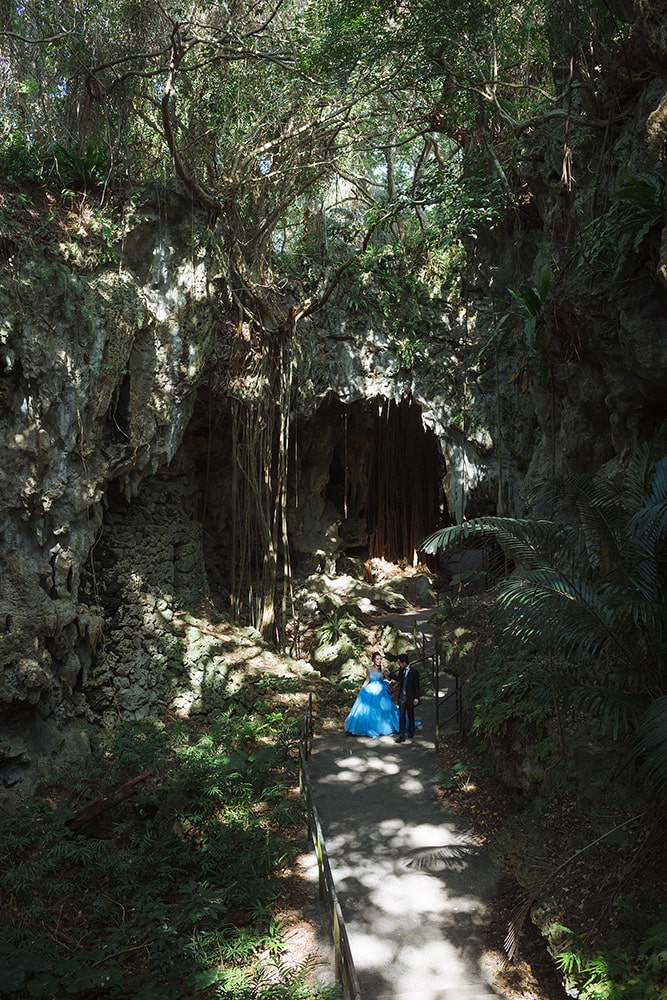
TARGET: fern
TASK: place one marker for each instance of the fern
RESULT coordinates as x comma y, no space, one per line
590,587
186,871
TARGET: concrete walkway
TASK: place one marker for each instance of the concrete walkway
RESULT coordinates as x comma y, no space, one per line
413,883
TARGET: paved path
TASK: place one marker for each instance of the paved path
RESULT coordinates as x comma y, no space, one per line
413,883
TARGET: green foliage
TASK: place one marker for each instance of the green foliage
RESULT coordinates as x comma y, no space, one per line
275,981
457,778
79,170
641,207
629,963
399,288
621,233
479,44
340,621
402,278
169,892
529,304
466,194
507,690
457,640
80,234
590,587
21,159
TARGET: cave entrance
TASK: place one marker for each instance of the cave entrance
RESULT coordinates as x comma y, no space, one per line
385,476
404,482
365,480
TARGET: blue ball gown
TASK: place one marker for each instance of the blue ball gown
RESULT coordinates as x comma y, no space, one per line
373,712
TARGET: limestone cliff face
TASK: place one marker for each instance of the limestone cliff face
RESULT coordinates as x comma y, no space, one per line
98,377
594,219
116,461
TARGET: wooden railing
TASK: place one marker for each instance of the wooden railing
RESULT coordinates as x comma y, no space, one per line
343,962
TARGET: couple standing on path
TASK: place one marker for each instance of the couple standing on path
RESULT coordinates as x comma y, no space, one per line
374,713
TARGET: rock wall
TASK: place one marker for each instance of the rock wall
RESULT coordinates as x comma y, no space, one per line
106,478
150,564
98,381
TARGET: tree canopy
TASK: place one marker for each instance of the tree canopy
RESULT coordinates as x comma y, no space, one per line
320,139
257,107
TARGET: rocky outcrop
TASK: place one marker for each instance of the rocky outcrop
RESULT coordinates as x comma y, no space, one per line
98,381
116,458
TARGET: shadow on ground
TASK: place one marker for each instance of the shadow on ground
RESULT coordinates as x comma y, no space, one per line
413,883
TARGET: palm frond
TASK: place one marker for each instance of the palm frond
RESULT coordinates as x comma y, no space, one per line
646,470
451,857
591,506
649,523
520,529
550,610
589,584
560,499
638,477
515,927
447,538
617,713
659,484
530,544
534,548
639,569
638,612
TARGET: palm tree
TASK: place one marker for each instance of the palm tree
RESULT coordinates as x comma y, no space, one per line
590,586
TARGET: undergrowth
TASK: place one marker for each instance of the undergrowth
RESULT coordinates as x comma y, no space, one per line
559,815
169,893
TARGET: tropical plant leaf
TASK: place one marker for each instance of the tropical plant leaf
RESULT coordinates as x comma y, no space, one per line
515,927
589,586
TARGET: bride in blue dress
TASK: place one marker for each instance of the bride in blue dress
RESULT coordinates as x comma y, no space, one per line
373,712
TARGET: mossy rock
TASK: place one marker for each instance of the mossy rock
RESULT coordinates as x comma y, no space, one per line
332,659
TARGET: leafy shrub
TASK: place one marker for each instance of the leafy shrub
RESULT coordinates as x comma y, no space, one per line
171,891
21,159
78,170
636,212
630,964
339,622
457,778
505,690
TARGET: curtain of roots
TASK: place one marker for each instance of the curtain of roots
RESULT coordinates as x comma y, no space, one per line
403,487
260,570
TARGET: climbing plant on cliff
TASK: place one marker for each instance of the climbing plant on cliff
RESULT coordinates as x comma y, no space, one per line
277,117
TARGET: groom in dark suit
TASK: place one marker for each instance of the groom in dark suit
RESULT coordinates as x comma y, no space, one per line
408,697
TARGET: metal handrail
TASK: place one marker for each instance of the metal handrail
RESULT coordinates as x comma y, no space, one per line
343,961
306,739
439,702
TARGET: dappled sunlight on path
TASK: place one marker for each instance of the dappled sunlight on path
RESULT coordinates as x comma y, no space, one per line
413,883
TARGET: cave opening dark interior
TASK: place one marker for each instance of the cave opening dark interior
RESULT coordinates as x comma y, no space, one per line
370,466
366,481
404,483
385,469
